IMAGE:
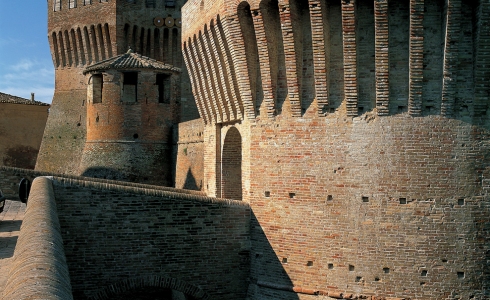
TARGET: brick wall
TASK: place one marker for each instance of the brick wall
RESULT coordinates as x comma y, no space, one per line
188,155
113,234
21,131
376,186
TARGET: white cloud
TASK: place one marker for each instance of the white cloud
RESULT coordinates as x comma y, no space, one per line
25,76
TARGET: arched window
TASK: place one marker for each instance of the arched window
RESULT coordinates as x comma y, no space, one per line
231,165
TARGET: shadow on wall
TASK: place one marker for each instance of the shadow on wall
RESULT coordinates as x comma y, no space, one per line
268,278
105,173
20,157
190,182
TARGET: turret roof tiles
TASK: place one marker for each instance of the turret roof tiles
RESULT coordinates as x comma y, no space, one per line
130,61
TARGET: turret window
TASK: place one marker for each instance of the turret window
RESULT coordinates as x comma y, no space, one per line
130,86
72,4
97,87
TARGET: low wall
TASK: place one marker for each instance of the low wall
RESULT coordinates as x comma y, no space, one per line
39,269
10,178
115,234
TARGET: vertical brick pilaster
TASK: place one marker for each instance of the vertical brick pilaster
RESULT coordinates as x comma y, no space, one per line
62,49
196,90
451,45
105,41
86,44
68,47
152,53
160,47
211,97
482,60
320,35
232,31
265,66
216,72
290,53
74,43
233,95
199,67
223,73
350,55
382,57
416,66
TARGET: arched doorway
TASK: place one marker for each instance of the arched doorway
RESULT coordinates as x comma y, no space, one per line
231,165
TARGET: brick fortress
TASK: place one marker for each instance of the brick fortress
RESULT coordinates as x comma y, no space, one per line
356,131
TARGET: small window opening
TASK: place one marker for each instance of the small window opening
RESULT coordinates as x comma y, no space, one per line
329,198
309,263
130,86
365,199
351,268
97,87
403,200
386,270
424,273
284,260
267,194
163,82
461,201
330,266
170,3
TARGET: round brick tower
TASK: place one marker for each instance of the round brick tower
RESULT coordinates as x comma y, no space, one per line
131,105
358,131
78,40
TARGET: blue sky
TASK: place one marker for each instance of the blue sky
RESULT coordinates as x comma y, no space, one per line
25,61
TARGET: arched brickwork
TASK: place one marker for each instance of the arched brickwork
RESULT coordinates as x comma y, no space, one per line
190,291
231,165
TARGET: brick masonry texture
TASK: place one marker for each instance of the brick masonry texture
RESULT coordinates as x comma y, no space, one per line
39,251
78,41
22,124
107,228
369,178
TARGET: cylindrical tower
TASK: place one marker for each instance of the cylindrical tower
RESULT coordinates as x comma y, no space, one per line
84,32
358,131
131,106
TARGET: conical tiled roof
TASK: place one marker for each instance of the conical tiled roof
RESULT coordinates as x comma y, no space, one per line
130,61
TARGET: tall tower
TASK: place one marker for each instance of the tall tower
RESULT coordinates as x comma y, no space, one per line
85,32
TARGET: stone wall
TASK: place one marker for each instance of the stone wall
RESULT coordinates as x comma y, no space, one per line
115,234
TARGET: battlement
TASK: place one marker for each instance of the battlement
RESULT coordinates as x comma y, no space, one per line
305,58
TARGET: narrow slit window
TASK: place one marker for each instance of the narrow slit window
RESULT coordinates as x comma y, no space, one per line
130,86
163,82
97,88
